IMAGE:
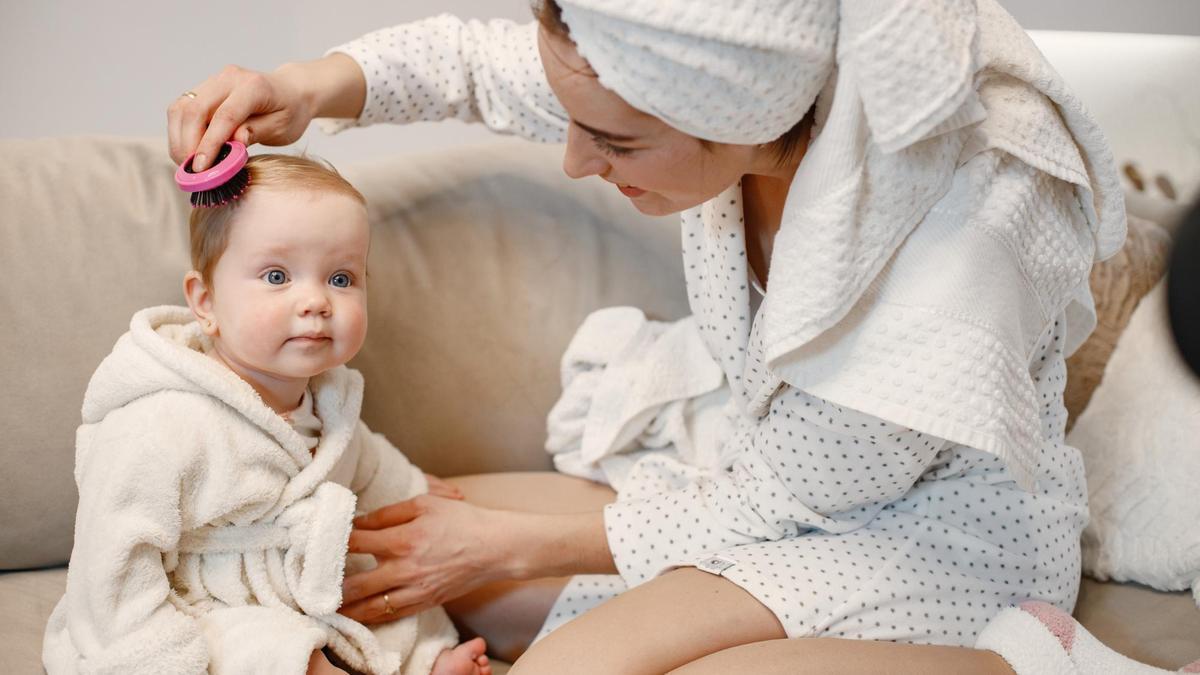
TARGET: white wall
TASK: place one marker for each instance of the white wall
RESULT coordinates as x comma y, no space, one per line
86,67
1172,17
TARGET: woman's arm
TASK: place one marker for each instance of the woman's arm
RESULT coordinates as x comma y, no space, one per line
446,68
431,550
555,545
434,69
333,86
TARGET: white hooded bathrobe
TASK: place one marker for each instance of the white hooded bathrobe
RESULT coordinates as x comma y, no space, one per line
872,445
209,538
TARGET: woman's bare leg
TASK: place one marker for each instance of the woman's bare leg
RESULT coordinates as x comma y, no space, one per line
851,657
508,614
663,624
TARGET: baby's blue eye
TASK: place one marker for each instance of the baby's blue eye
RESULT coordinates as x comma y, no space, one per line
275,277
340,280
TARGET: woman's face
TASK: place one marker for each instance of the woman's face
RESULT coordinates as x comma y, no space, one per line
661,170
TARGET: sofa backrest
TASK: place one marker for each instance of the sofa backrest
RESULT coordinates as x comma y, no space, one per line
483,263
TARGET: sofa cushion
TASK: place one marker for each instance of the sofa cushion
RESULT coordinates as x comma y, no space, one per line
1160,629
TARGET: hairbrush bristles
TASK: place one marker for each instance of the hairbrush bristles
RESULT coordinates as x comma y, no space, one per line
223,194
219,184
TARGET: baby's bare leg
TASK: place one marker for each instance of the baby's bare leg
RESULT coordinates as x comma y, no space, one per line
830,655
508,614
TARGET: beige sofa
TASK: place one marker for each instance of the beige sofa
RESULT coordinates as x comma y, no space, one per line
483,263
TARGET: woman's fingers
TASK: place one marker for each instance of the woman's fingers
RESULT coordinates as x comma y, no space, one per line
362,585
376,542
401,602
187,116
440,488
243,101
174,129
269,128
223,107
390,515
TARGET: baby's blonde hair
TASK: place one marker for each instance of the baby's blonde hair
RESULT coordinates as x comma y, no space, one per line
209,226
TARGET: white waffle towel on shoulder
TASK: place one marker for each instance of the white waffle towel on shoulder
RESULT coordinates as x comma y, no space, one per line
907,92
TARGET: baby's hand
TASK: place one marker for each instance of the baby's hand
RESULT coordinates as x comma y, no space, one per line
440,488
319,665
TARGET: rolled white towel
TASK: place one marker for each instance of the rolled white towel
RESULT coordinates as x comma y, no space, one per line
632,388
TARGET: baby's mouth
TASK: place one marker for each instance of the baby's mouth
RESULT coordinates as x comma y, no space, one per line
310,338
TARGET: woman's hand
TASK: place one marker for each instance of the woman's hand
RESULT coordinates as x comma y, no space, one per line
271,108
429,550
440,488
238,104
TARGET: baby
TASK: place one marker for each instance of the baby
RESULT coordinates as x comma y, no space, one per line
221,459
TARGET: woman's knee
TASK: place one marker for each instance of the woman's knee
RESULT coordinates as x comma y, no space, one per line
662,624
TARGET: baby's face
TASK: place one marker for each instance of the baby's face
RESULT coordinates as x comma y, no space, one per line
290,290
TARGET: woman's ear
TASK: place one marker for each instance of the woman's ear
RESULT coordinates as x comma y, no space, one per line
199,299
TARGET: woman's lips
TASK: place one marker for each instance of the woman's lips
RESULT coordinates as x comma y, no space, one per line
631,191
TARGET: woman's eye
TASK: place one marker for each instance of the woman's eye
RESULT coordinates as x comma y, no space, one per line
610,149
340,280
275,277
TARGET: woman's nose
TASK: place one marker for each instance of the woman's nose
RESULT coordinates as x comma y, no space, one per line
581,158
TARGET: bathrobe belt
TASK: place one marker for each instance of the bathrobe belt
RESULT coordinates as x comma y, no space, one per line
310,536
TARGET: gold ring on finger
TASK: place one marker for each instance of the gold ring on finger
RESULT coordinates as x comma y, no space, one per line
387,606
189,94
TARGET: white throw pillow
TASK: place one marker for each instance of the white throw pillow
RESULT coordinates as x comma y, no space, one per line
1140,439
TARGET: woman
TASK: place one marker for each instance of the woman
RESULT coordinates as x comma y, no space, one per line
889,212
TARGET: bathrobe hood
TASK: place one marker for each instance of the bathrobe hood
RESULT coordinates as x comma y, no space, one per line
164,351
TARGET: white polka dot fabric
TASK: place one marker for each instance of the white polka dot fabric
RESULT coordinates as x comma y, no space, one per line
446,68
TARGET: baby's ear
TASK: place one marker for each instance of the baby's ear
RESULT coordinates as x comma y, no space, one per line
199,299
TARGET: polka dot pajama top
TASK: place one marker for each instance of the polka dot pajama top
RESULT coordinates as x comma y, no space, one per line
842,523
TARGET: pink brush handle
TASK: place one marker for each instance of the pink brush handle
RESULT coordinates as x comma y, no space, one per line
214,176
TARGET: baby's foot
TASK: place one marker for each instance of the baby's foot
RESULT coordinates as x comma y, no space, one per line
465,659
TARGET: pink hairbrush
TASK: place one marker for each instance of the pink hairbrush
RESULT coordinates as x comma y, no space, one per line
222,182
